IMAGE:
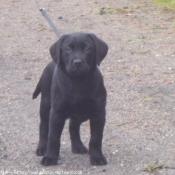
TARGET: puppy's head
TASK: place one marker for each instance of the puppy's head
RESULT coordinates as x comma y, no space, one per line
78,53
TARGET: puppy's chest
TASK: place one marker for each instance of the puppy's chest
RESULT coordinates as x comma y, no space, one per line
77,100
80,111
78,93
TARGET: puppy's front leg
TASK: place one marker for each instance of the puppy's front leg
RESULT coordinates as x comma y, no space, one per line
56,124
95,145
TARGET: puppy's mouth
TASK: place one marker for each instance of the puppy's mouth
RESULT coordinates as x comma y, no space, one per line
77,71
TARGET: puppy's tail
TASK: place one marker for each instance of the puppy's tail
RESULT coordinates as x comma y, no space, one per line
37,90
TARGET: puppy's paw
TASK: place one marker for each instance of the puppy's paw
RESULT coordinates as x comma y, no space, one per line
40,151
98,160
47,161
79,149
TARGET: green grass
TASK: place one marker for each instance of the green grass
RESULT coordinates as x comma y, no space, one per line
166,3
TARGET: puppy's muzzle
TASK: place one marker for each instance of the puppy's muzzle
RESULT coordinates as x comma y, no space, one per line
77,63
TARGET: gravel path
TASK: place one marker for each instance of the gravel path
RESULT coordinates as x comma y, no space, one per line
139,74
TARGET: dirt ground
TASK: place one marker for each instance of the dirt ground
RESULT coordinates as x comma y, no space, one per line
139,73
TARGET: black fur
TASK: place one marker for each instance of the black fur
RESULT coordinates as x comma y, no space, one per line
72,87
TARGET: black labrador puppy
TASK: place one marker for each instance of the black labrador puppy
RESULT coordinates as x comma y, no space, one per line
72,87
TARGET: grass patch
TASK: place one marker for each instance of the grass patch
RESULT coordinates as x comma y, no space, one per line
148,99
166,3
154,167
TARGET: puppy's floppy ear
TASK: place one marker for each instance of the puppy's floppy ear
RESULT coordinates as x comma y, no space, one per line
55,50
101,48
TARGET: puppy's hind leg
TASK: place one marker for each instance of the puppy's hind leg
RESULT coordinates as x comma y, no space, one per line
77,145
44,125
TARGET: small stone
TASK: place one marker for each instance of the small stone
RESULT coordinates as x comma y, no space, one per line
60,17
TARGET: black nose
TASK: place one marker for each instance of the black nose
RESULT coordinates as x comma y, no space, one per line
77,63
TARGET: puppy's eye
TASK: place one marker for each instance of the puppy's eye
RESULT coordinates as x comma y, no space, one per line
68,49
87,49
